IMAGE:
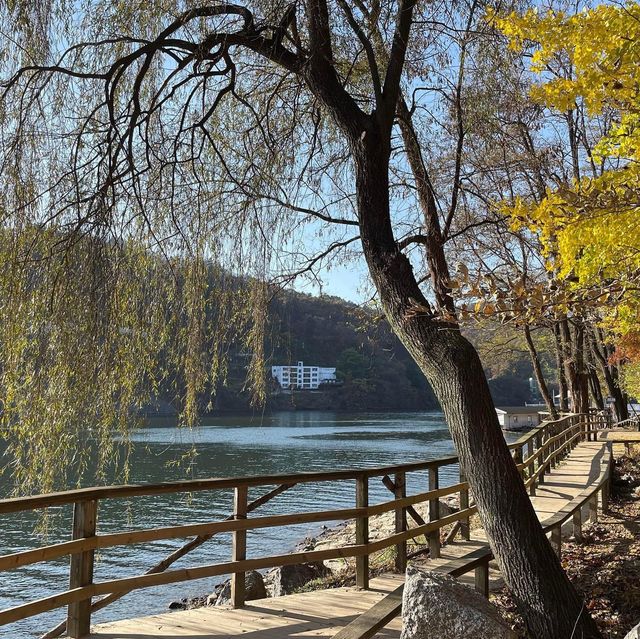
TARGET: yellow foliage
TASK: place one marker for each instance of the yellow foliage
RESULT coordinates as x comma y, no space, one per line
589,228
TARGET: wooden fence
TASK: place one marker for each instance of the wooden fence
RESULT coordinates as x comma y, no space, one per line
535,453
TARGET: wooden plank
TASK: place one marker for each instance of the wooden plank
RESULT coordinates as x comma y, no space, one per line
303,615
362,532
18,504
81,569
401,522
377,617
239,548
434,515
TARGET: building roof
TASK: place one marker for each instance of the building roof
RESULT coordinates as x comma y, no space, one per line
522,410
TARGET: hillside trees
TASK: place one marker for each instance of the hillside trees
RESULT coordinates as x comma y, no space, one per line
233,131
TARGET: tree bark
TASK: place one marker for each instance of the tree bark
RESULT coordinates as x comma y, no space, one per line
573,357
546,598
611,376
596,389
537,370
562,379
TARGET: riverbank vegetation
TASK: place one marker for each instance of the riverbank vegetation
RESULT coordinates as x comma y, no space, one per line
147,147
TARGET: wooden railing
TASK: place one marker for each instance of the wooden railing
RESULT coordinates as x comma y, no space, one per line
535,454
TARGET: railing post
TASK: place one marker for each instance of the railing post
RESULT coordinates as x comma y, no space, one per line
362,532
465,529
593,508
556,539
517,458
577,524
605,496
400,491
482,578
434,515
85,514
585,430
539,444
239,549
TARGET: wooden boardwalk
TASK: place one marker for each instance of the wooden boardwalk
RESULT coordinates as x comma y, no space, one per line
309,614
323,613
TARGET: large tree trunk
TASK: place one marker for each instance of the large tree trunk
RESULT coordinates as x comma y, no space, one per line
596,389
548,601
537,371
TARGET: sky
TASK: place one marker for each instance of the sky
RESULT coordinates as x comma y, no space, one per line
350,282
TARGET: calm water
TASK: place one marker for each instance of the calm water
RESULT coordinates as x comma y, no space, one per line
230,446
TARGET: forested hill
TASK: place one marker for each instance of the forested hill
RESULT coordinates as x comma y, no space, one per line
376,370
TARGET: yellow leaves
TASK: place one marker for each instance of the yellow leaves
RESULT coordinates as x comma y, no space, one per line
602,45
589,230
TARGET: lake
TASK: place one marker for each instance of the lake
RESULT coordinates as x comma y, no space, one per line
285,442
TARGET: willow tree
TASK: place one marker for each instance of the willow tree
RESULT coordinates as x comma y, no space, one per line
232,134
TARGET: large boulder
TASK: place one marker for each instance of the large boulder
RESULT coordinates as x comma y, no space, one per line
287,579
254,589
634,633
437,605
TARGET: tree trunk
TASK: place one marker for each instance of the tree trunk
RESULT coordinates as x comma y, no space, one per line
611,376
562,378
537,370
573,355
596,389
545,596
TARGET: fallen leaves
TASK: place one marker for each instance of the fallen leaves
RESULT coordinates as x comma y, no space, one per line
605,567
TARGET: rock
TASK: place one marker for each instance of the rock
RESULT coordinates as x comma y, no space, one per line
634,633
286,579
437,605
178,605
254,589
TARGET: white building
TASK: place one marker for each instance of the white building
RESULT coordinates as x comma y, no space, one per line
519,417
303,377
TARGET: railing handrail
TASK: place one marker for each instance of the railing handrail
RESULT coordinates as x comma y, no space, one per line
33,502
92,493
552,440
